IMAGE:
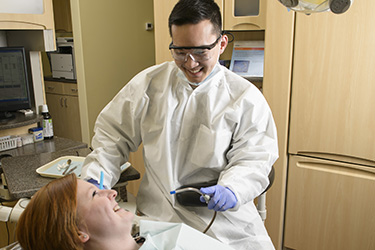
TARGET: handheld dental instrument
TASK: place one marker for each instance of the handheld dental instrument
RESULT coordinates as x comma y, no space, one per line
68,166
71,170
205,196
101,180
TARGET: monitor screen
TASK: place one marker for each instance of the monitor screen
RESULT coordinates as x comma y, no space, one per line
14,84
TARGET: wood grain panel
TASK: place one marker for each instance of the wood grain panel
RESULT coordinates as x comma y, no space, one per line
333,93
329,205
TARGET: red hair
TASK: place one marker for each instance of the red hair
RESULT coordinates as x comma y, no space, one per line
50,220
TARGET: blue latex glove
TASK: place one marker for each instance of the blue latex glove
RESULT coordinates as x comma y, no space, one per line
95,182
221,198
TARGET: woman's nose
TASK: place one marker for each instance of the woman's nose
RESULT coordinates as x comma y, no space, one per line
111,194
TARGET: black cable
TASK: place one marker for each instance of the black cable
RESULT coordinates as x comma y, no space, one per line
190,189
230,34
211,222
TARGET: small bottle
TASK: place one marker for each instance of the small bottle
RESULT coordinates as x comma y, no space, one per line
47,123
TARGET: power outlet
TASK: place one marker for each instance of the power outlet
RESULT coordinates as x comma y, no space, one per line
149,26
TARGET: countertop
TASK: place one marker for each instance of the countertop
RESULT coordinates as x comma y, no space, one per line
45,146
51,79
20,120
23,181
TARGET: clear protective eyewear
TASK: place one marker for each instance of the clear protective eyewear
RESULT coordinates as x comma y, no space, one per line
197,53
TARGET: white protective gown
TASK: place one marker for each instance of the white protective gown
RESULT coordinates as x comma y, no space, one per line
221,130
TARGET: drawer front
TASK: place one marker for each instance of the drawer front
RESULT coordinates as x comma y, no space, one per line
71,89
54,87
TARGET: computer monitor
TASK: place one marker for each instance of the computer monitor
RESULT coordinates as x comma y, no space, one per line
14,82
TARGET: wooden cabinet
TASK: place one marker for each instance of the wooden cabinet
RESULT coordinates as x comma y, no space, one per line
333,85
244,14
329,205
62,16
62,101
21,17
28,25
330,202
162,9
279,41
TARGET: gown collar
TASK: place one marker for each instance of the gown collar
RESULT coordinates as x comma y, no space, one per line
214,71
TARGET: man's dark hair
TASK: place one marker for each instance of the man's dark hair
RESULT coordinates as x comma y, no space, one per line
195,11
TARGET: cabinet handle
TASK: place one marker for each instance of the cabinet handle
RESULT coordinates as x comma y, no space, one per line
74,90
339,168
65,102
61,102
50,88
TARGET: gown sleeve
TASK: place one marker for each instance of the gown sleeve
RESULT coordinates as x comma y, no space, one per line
117,132
253,149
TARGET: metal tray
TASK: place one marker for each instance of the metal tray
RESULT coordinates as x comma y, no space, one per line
51,169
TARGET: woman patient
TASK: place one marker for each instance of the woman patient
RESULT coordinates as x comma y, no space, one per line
73,214
69,213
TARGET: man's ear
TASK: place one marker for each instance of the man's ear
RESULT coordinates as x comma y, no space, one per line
223,43
84,237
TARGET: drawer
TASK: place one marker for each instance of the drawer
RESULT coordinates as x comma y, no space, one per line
54,87
71,89
62,88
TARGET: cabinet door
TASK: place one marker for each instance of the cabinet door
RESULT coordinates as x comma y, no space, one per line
245,14
26,14
162,9
62,100
72,124
333,90
55,104
330,205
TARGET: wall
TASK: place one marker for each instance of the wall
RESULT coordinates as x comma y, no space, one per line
111,46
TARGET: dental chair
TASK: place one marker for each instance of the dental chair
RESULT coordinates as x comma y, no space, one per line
13,246
261,202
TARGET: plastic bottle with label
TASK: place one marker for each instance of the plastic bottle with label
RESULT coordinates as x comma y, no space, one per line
47,123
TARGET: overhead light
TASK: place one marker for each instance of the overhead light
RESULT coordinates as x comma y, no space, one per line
313,6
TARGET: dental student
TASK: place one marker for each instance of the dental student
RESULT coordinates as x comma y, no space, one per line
198,122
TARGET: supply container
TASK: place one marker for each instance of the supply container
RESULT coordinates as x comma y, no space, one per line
8,142
47,123
37,133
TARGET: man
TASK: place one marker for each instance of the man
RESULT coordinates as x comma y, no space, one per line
198,122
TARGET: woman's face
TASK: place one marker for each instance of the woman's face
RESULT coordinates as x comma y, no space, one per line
101,213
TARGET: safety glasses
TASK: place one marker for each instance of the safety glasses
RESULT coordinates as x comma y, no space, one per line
196,53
